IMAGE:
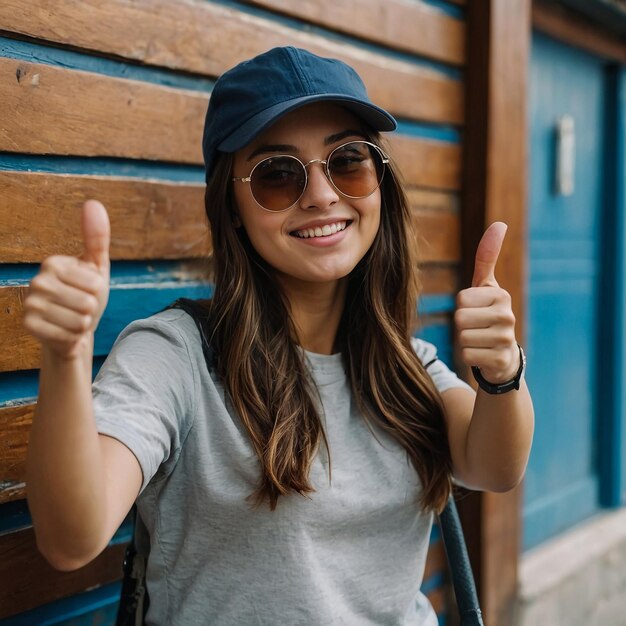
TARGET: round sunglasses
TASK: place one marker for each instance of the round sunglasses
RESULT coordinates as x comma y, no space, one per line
355,169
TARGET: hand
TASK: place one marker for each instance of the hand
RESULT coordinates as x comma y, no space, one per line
67,298
484,318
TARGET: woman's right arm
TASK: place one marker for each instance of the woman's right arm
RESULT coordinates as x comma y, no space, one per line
80,485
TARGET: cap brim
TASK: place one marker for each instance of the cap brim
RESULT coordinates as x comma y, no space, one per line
375,117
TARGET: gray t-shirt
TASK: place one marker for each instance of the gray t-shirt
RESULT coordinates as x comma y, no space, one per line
351,553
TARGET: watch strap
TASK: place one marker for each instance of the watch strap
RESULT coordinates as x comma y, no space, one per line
500,388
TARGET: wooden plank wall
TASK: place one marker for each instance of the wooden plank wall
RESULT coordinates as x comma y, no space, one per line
106,99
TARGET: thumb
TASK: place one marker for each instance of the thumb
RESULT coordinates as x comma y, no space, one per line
96,231
487,255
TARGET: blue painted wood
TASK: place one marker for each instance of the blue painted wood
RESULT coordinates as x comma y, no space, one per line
57,164
434,582
453,10
128,302
17,388
424,130
123,273
63,57
620,281
436,303
564,262
439,335
14,516
559,510
612,402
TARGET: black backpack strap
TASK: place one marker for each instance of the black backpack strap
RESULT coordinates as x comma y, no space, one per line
460,567
134,599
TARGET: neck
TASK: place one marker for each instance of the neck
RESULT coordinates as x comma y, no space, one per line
316,310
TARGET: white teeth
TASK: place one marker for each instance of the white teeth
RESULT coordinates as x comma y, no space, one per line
324,231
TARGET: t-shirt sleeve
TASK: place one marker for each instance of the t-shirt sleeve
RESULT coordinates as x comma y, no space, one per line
443,377
143,394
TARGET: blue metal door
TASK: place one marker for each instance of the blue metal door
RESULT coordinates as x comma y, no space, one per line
565,249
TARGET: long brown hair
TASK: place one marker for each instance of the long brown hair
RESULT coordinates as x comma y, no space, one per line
263,368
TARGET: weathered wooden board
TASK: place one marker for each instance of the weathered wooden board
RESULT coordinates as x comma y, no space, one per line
28,581
440,279
436,560
216,37
132,119
409,26
40,215
439,236
427,163
116,117
437,598
427,199
15,425
126,302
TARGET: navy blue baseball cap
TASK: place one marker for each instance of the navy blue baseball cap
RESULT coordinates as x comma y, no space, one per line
251,96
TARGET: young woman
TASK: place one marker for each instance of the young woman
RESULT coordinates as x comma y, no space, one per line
294,480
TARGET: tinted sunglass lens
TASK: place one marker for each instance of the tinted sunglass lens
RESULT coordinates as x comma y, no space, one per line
356,169
277,183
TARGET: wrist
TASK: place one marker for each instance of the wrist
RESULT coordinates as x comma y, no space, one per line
81,352
499,376
498,387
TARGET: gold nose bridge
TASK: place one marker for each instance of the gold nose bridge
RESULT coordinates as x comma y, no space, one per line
323,162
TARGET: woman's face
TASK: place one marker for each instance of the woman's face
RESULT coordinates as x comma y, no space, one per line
308,133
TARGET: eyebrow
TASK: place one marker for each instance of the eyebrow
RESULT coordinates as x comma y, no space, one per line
342,135
281,148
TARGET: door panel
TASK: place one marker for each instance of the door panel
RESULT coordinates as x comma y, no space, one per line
564,258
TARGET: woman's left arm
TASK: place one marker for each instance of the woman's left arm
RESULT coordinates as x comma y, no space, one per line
490,435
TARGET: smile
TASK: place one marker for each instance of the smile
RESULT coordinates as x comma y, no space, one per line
321,231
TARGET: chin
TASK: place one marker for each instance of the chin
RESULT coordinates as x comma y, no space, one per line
318,276
328,276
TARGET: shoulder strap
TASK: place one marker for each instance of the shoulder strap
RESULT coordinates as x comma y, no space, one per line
460,567
200,316
134,599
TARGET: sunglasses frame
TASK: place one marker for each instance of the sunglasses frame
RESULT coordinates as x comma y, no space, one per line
384,158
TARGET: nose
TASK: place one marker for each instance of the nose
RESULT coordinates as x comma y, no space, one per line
319,192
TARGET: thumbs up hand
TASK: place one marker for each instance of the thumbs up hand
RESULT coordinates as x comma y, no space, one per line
484,318
67,298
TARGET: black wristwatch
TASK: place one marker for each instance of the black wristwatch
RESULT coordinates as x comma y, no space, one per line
509,385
